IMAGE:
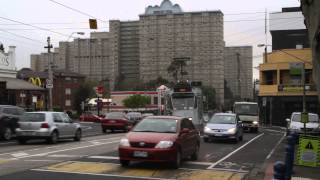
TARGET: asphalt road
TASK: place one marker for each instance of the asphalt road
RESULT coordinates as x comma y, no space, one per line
95,157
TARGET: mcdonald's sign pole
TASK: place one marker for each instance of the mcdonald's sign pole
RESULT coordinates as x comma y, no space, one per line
50,75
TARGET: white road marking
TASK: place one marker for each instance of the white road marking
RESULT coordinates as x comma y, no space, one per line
65,156
20,154
232,170
98,174
62,150
104,157
117,158
275,147
272,130
41,160
233,152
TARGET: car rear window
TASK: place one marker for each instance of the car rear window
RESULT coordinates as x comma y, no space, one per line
312,118
33,117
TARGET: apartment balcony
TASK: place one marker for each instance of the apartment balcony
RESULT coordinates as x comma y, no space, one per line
286,90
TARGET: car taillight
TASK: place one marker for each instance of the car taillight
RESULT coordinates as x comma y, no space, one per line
45,125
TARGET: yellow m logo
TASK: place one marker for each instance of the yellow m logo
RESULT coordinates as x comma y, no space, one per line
35,81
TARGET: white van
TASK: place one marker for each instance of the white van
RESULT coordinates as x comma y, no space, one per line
295,124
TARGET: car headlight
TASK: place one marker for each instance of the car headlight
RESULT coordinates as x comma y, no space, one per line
206,129
232,130
190,118
124,142
255,122
164,144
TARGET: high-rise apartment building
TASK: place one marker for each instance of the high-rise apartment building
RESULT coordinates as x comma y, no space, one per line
134,52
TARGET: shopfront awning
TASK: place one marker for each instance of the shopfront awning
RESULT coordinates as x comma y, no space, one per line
18,84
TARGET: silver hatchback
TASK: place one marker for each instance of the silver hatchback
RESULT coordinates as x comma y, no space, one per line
50,126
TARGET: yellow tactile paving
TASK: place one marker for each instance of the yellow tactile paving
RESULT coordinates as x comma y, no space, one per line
114,169
2,161
83,167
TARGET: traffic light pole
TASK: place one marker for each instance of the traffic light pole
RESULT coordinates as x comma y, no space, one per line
50,74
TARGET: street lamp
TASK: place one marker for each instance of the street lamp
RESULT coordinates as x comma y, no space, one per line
80,33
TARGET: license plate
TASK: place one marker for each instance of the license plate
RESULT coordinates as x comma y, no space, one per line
140,154
112,121
28,133
218,134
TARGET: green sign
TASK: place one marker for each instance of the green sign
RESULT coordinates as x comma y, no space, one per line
309,151
296,68
304,117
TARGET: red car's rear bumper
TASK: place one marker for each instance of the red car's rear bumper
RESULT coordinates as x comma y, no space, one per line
153,155
120,126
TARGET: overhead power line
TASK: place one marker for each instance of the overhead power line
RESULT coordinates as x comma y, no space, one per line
44,29
76,10
21,36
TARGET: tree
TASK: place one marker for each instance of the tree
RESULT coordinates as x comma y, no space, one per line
136,101
82,93
210,95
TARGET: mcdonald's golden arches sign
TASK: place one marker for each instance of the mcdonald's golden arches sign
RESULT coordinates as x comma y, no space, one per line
35,81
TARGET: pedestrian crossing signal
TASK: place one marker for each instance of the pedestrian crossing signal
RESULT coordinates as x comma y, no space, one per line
93,24
309,146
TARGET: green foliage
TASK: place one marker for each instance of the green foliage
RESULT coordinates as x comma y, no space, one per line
210,95
82,93
136,101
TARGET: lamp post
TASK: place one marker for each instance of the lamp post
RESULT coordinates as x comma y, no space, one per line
80,33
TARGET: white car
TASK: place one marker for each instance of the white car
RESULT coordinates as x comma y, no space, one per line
295,124
50,126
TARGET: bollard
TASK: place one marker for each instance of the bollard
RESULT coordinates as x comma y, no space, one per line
279,170
289,159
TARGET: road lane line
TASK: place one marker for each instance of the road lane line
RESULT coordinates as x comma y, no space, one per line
65,156
117,158
238,149
62,150
41,160
229,170
7,143
99,174
275,147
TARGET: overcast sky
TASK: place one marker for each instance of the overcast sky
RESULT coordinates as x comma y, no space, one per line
63,21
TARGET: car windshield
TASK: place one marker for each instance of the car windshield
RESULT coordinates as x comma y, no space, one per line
156,125
115,115
312,118
223,119
246,109
33,117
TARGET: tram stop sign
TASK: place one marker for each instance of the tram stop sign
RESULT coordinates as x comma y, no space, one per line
309,151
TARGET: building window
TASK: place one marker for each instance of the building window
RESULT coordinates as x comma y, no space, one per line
68,91
68,102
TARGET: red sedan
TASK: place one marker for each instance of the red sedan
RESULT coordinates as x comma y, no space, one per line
115,121
90,117
160,139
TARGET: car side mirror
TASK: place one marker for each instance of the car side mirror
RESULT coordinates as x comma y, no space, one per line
185,131
288,120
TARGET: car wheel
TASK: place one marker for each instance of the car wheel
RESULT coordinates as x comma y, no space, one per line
177,163
104,130
7,134
53,139
205,139
78,135
124,163
22,141
195,154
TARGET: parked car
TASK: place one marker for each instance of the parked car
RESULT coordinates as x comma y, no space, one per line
50,126
223,126
160,139
134,117
9,117
115,121
295,124
90,117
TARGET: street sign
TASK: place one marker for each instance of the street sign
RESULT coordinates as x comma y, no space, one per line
296,68
309,151
264,101
49,86
304,117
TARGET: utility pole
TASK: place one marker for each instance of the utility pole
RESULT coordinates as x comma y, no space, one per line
50,75
238,75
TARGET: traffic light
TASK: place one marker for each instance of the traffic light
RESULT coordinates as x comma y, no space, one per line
93,24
